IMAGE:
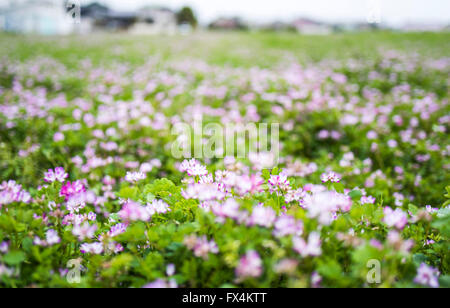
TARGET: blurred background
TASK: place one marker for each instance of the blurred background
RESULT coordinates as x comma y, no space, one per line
170,17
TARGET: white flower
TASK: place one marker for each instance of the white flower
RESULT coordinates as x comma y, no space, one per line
427,275
157,206
134,177
310,248
52,237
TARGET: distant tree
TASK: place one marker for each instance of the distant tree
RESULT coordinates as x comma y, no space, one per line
187,16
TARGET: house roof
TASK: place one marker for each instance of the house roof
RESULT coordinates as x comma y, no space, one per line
306,22
95,5
120,15
156,8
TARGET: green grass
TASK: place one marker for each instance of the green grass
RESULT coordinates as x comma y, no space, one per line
236,49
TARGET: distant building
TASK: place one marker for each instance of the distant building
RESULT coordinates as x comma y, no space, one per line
278,26
45,17
92,18
147,20
94,10
358,27
97,17
234,23
117,21
155,20
423,27
309,26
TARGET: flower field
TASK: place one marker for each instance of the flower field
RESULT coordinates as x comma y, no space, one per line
353,193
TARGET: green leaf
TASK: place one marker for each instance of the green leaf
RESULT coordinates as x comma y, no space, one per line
444,281
355,194
122,260
150,197
14,257
443,225
419,258
413,209
134,233
330,269
27,243
443,213
339,187
129,192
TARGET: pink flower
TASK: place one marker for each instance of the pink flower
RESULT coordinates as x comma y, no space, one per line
430,209
229,209
206,179
157,206
4,247
316,279
288,225
323,134
427,276
117,229
367,200
170,269
395,240
60,174
57,175
114,247
203,192
397,218
330,177
392,143
134,177
324,205
310,248
262,216
12,192
52,237
193,168
376,244
247,184
286,266
256,181
92,216
201,246
93,248
250,266
76,202
278,183
71,189
133,211
84,231
295,195
197,170
58,137
371,135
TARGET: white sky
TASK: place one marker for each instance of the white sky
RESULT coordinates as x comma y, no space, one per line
392,11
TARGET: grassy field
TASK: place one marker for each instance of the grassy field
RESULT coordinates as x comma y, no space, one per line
91,171
236,49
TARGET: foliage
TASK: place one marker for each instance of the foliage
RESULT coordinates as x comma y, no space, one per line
89,185
187,16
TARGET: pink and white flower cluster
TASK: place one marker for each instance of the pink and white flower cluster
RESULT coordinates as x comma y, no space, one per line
250,266
11,192
201,246
55,175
